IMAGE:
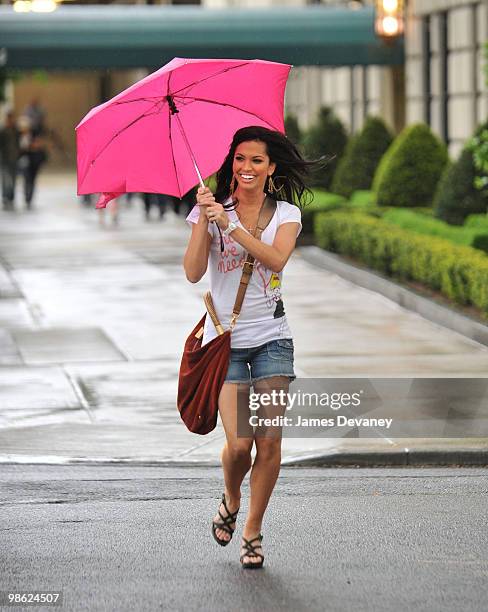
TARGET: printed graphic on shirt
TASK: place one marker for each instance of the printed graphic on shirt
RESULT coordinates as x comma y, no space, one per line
271,284
231,258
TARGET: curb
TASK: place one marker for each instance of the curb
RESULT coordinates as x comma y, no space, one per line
404,458
437,313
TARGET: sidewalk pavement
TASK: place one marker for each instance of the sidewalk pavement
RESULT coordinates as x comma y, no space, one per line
92,322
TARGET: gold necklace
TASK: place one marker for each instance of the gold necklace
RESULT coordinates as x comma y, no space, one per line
249,229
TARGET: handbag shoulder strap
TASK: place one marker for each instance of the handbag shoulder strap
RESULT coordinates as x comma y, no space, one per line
265,215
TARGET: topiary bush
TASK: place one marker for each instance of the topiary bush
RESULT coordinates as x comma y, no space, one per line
409,171
456,196
328,137
292,130
363,153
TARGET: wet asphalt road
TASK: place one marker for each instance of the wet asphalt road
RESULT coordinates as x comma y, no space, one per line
117,538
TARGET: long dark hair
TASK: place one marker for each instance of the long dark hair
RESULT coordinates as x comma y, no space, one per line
291,171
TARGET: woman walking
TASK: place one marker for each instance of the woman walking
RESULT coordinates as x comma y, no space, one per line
261,164
32,156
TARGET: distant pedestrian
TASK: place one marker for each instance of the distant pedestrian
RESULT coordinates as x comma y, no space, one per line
9,153
37,117
32,156
186,203
113,207
158,200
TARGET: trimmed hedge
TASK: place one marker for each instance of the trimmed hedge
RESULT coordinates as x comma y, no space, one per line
421,224
460,273
362,197
363,153
411,168
322,201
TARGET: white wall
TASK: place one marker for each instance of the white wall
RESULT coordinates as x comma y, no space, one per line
467,92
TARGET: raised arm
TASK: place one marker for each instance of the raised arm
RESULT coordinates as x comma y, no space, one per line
195,261
273,257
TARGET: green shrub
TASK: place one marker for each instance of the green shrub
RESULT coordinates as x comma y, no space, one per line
292,130
456,196
409,171
361,158
480,242
328,137
460,273
479,221
322,201
421,224
425,211
362,197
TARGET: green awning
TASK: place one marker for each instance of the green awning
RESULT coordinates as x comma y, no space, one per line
149,36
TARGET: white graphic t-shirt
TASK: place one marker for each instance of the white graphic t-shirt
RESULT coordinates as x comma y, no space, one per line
262,317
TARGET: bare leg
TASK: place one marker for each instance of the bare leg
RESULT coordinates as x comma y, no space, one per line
266,467
236,454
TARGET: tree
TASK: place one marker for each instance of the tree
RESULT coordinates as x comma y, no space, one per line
479,148
457,196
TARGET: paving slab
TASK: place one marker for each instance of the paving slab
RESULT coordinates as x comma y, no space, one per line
37,395
65,345
15,312
9,353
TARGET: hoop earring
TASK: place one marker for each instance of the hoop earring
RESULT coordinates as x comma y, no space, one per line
271,185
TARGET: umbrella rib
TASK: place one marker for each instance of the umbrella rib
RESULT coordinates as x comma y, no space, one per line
242,110
157,98
210,76
171,140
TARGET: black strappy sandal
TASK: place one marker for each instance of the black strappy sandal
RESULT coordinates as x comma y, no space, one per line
225,526
251,552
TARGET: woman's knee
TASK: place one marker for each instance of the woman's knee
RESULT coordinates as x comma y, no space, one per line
268,448
239,450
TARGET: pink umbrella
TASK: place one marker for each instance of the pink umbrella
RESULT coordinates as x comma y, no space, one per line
174,127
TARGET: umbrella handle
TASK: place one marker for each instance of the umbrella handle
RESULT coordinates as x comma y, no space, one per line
185,139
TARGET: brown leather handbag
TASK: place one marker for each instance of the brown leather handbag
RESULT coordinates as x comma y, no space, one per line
203,368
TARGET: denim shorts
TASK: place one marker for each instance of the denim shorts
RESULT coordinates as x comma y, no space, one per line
275,358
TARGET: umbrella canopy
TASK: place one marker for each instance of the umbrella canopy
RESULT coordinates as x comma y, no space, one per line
150,137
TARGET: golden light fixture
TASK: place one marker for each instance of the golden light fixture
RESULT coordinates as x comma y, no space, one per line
36,6
389,18
22,6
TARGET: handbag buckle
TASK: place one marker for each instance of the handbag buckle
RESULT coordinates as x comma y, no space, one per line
233,321
247,267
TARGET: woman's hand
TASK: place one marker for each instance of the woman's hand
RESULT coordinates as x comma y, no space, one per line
213,210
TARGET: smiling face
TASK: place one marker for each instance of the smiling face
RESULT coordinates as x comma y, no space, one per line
252,166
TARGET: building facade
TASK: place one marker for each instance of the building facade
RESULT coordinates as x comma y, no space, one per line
445,67
441,83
